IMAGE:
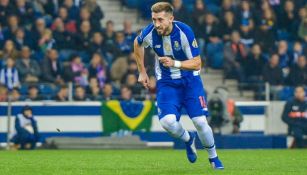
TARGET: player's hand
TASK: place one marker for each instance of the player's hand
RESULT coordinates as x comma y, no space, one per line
167,61
144,79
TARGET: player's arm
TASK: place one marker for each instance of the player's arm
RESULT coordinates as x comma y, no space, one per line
139,58
190,64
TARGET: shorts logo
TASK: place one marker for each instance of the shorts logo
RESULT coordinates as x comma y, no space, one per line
177,46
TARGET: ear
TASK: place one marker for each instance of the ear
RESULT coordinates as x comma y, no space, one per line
171,18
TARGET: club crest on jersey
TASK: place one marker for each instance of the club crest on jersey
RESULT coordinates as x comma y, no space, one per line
194,43
177,46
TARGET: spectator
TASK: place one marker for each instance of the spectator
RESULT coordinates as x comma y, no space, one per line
296,53
122,45
284,58
96,13
9,75
246,13
94,90
235,54
247,32
109,33
197,17
65,41
62,94
125,93
33,94
76,72
180,12
302,31
294,115
80,94
73,10
228,25
26,130
85,15
21,39
2,36
16,94
254,64
130,35
46,41
302,14
84,36
25,12
298,72
288,18
227,5
210,27
98,69
69,24
273,74
107,92
28,69
6,9
97,44
37,31
52,68
9,51
13,25
49,8
265,33
197,21
136,88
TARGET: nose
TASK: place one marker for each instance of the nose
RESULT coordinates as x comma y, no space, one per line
157,24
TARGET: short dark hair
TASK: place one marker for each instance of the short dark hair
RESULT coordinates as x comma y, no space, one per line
162,7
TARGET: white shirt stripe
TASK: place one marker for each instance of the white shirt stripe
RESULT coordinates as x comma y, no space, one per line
158,69
185,44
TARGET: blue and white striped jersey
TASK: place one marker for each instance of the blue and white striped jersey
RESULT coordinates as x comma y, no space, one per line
180,45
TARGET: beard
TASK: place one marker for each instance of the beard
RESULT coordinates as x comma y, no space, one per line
163,31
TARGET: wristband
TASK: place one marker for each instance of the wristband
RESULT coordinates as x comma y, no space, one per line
177,64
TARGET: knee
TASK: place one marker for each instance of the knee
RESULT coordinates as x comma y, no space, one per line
168,121
201,124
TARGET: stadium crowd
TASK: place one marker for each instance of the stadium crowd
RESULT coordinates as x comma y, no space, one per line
47,43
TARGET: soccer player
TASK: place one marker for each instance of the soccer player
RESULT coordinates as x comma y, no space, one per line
179,84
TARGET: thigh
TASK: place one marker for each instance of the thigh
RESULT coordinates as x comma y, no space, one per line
169,99
195,101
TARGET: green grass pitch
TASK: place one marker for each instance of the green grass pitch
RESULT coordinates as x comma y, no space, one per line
150,162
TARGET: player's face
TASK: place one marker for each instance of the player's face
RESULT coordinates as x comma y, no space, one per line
162,22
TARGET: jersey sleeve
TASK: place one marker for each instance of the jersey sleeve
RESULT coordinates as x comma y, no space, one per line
145,37
189,43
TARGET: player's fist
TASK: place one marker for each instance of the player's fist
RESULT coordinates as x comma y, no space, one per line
167,61
144,80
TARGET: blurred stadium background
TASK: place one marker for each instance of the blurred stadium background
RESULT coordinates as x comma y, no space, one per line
72,62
